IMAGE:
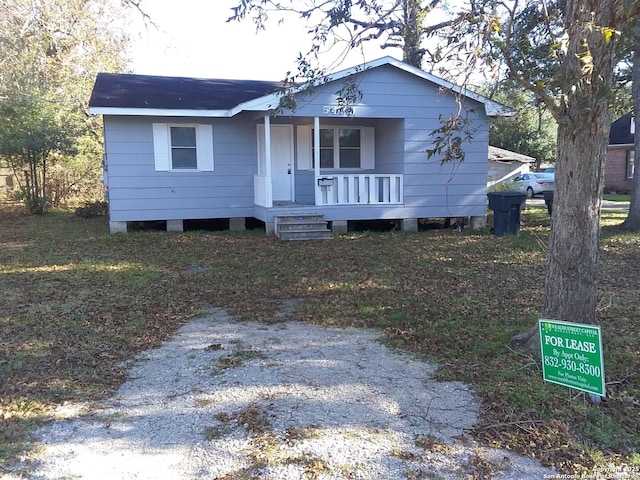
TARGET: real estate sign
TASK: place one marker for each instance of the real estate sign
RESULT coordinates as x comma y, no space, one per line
572,355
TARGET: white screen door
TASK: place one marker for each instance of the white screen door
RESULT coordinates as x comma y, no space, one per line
282,162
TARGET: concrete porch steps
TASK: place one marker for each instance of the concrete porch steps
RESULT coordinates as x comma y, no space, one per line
301,227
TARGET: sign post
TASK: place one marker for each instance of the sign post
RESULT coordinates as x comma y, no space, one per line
572,355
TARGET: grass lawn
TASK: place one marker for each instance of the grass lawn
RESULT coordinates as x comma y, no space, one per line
614,197
75,301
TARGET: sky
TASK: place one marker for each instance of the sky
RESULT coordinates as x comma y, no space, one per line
193,39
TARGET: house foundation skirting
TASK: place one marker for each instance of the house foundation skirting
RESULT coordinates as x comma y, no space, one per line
478,223
339,226
118,227
270,228
175,226
237,223
409,224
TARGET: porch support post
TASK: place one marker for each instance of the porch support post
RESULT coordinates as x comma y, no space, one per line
316,156
267,157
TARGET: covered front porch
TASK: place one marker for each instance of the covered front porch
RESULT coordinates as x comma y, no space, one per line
348,173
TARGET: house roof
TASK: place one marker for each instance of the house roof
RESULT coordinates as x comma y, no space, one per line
501,155
112,90
126,94
621,131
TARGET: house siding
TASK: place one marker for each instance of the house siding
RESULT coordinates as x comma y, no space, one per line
615,175
138,192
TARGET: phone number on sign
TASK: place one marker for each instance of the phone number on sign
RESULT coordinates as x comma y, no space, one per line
572,366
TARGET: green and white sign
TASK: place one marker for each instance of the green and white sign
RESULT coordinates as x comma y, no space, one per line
572,355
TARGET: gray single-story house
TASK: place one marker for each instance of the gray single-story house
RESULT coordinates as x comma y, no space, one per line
180,149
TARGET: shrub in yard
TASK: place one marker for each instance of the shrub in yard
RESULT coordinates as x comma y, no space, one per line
93,209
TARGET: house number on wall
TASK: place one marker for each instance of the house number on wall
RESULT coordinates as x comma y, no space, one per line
338,110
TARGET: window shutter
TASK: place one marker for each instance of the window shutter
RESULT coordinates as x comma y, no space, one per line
368,148
303,147
161,147
204,146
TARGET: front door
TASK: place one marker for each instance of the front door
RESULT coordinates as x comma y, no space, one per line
282,162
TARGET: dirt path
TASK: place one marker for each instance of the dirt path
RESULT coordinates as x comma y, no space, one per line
226,400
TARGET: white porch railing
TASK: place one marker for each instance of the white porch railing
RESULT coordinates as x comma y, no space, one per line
359,189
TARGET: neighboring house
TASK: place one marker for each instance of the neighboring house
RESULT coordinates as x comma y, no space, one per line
618,172
183,148
504,165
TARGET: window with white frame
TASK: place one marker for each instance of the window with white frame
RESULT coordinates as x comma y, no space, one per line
339,147
629,167
183,147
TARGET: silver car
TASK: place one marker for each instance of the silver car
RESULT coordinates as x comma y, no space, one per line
533,183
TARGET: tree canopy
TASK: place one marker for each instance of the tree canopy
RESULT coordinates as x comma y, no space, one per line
348,24
532,131
50,53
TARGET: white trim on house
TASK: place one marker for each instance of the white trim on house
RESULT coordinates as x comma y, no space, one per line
160,112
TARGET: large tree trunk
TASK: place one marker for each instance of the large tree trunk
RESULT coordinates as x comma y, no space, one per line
412,45
570,289
632,222
583,133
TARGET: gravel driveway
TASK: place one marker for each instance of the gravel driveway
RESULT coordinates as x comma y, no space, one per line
230,400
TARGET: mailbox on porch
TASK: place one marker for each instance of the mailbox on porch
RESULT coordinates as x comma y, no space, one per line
325,181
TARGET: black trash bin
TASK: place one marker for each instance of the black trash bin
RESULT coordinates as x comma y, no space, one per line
548,201
506,208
